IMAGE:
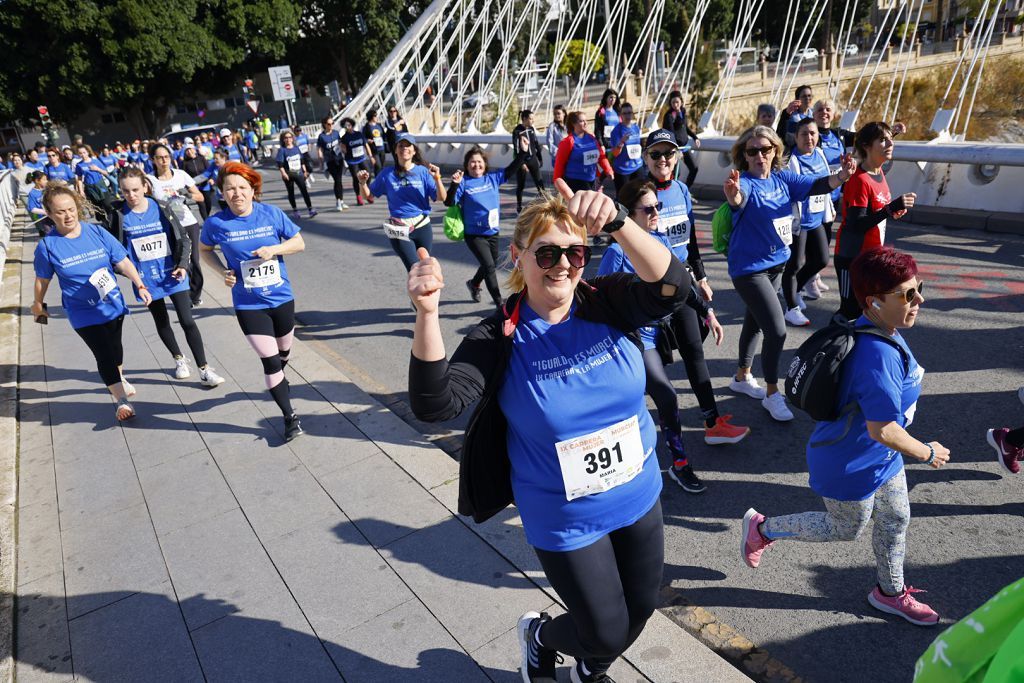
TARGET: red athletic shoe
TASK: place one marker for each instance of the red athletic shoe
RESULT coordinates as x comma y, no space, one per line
359,200
1006,453
753,543
723,432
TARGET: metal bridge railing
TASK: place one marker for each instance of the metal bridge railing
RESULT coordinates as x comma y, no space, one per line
8,197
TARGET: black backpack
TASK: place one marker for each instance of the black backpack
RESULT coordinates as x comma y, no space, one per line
812,380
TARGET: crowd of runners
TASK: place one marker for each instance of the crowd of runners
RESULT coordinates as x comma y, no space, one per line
558,372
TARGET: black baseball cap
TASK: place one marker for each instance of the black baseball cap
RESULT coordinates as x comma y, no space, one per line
662,135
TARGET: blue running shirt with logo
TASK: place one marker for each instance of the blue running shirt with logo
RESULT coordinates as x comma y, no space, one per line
148,243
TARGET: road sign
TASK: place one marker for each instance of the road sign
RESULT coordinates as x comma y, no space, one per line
254,105
281,82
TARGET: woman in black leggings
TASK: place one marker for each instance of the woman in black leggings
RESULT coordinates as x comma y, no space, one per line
161,250
295,170
475,191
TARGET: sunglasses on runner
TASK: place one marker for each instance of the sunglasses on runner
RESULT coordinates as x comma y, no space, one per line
755,151
667,154
910,294
649,210
549,255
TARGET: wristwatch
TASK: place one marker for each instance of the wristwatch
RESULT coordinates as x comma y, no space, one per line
616,223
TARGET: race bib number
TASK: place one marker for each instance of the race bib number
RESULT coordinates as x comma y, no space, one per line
881,231
590,158
816,204
295,163
396,230
784,229
104,282
257,273
303,149
633,151
678,233
492,218
151,247
356,151
602,460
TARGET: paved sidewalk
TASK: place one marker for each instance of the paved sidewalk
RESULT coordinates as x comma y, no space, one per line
191,543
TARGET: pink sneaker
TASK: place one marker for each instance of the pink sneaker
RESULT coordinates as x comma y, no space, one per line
753,543
904,605
1006,454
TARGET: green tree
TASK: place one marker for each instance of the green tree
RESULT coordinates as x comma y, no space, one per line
134,54
578,52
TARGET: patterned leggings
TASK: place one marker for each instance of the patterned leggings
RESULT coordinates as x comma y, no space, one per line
845,520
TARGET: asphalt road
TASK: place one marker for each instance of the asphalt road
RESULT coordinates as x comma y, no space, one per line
806,604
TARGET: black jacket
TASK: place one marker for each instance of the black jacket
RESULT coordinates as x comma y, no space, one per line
177,235
535,148
441,390
679,127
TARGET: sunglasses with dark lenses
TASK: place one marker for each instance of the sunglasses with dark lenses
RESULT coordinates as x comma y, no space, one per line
549,255
667,154
649,210
754,151
910,294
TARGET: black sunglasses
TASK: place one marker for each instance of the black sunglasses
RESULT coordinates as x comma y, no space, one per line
549,255
910,294
667,154
754,151
649,210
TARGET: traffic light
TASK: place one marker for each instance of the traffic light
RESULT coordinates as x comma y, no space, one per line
361,24
44,117
327,91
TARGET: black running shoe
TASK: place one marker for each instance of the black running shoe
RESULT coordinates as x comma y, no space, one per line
538,663
687,478
292,428
576,675
474,292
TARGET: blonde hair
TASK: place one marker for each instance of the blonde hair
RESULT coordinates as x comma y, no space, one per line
825,102
536,219
57,188
739,158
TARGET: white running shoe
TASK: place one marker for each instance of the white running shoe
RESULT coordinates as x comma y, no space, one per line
749,387
776,406
209,378
343,207
340,205
811,290
181,370
820,284
800,302
796,318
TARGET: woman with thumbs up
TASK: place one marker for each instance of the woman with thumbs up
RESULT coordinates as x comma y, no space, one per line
561,424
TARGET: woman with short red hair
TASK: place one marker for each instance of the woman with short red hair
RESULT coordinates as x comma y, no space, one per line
253,237
854,461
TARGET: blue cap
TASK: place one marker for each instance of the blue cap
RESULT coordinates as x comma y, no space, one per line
662,135
407,137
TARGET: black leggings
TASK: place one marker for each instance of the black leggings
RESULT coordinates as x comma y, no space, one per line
686,327
577,185
848,306
661,391
183,307
354,167
610,589
337,172
623,178
534,167
691,168
485,249
270,331
290,182
810,246
764,315
104,340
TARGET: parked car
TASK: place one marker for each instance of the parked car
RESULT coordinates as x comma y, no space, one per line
850,50
807,53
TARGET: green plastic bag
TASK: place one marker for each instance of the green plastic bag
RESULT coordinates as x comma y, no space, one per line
986,646
721,228
453,226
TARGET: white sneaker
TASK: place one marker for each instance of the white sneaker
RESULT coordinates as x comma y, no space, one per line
820,284
811,290
181,370
340,205
776,406
209,378
796,318
749,387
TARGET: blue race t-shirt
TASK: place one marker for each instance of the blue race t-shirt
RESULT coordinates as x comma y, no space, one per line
148,242
109,162
234,154
35,201
565,381
615,260
260,284
849,464
290,158
832,145
675,220
89,173
582,164
812,209
763,224
210,174
611,119
59,172
355,147
409,195
251,141
630,159
480,202
35,165
330,145
84,267
302,142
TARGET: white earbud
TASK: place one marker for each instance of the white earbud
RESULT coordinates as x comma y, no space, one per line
874,304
